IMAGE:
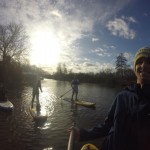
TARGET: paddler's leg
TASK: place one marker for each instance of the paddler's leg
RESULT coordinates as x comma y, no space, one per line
32,100
76,96
38,107
76,93
72,95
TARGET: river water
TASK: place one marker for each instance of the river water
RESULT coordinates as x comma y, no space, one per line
18,130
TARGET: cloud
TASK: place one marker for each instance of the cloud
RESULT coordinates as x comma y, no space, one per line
129,19
127,55
120,27
95,39
130,58
108,47
145,14
101,52
87,67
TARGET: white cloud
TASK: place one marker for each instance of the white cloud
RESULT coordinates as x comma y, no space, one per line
95,39
119,27
87,67
130,58
129,19
56,13
101,52
127,55
109,47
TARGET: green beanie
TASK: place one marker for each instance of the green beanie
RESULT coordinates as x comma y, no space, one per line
142,52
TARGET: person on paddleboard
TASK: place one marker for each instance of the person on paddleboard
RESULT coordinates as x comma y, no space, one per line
35,93
74,85
127,125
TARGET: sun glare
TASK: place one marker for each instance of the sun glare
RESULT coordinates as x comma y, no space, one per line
45,49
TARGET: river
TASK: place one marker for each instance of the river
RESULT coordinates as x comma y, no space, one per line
18,131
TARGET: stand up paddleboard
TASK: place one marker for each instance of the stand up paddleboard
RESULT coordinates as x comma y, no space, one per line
6,105
38,115
89,147
81,102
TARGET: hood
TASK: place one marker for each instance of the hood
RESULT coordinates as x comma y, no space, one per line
132,87
143,92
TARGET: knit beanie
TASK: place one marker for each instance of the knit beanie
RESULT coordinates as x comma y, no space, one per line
142,52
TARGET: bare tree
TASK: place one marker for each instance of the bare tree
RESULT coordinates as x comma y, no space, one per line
121,64
13,42
59,69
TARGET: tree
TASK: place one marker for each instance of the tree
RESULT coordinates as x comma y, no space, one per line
13,50
64,69
59,69
121,64
13,42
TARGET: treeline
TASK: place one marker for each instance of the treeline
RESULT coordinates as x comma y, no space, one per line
15,74
107,77
122,75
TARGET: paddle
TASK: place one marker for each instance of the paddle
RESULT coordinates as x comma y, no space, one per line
71,140
89,146
65,93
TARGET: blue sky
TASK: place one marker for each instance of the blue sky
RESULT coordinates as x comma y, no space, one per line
86,35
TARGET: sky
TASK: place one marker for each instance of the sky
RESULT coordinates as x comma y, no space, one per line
86,35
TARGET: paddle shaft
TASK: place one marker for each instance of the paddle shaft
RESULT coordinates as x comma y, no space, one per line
71,141
66,93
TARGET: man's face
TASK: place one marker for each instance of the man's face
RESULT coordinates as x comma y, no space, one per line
142,70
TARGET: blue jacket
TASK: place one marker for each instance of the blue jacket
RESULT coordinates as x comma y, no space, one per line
127,126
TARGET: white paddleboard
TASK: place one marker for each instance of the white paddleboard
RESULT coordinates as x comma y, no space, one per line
6,105
38,115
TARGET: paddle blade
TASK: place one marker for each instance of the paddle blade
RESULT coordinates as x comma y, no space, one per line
89,147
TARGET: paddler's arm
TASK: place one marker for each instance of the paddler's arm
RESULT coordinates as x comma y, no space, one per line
100,130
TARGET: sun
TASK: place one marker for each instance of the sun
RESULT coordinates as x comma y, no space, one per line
45,48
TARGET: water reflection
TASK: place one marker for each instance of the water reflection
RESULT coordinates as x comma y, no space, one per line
48,148
47,99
